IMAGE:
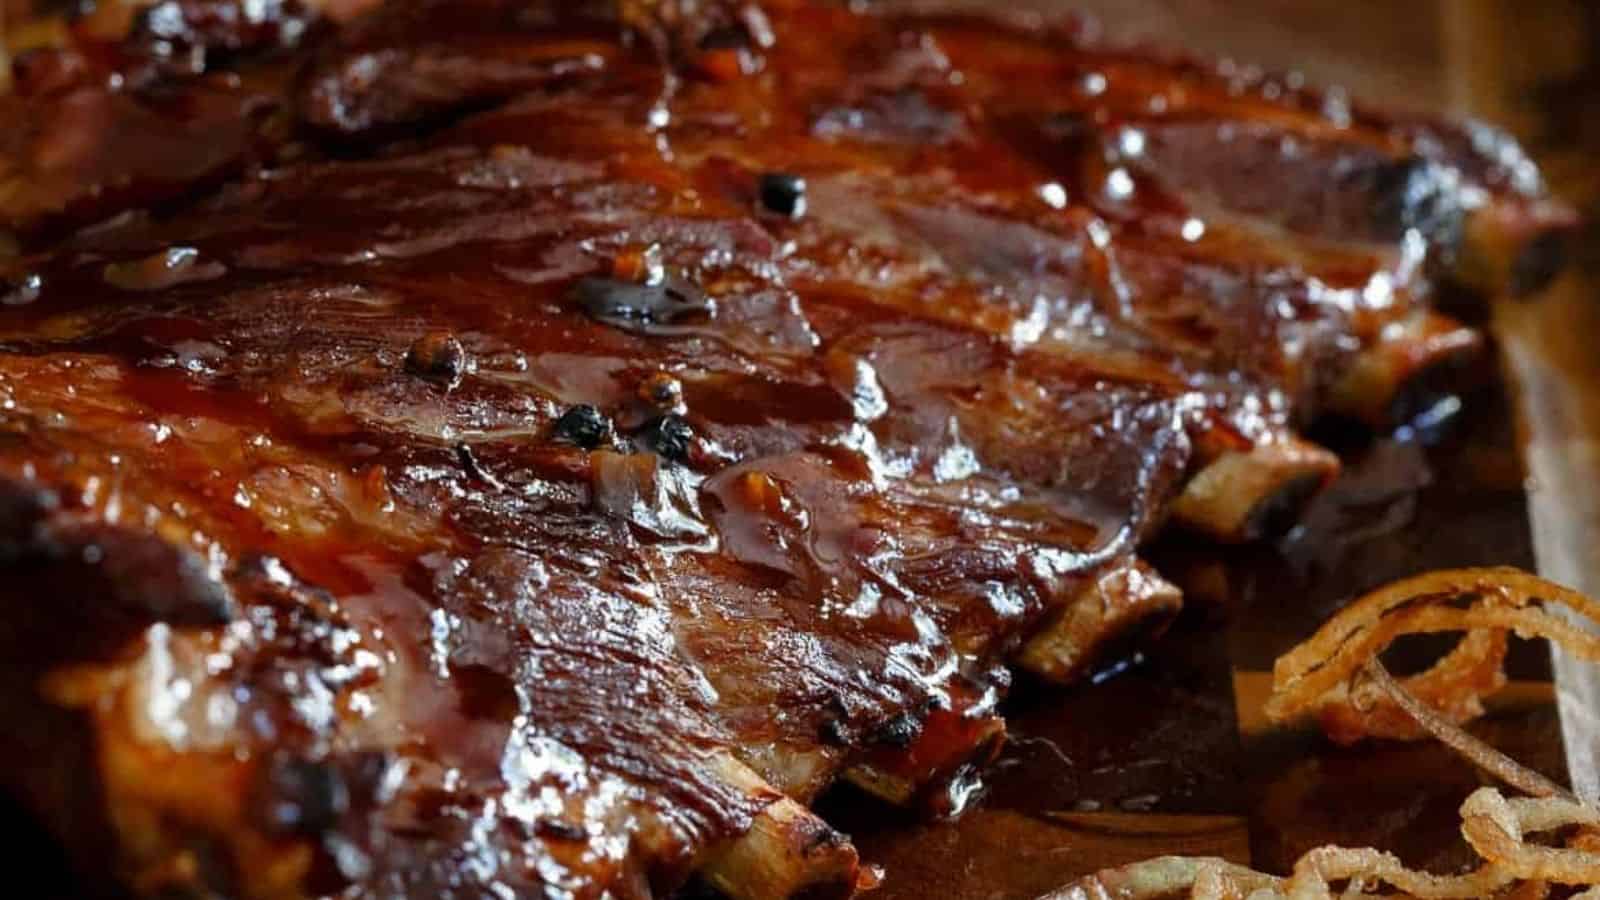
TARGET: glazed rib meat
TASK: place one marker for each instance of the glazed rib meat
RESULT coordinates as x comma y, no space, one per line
476,448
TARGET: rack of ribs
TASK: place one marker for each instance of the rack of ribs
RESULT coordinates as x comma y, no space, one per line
478,448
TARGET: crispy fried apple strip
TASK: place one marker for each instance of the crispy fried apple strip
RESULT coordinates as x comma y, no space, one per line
1169,876
1452,689
1496,827
1450,734
1314,677
1338,669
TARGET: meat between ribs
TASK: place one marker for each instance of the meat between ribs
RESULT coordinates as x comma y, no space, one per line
506,449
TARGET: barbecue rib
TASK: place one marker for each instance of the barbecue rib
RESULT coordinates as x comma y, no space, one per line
516,449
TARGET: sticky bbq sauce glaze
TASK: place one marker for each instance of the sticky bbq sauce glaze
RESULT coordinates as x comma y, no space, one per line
1157,753
1161,752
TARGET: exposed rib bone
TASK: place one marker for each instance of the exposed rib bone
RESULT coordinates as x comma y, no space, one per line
1510,249
950,742
1411,366
1245,495
788,851
1120,603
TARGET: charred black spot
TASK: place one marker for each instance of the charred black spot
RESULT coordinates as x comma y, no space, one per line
437,356
823,837
560,830
783,194
836,728
834,732
583,426
301,797
670,437
899,732
637,307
